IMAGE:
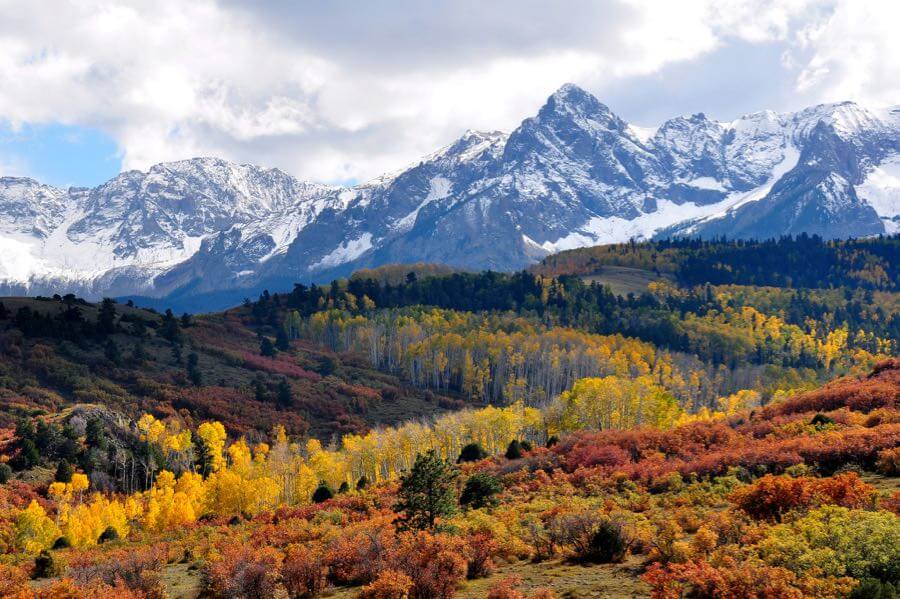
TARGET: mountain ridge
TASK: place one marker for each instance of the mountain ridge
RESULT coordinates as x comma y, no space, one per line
573,175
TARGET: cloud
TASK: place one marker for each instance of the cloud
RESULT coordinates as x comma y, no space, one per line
346,90
852,54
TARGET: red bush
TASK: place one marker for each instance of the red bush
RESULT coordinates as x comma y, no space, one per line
701,580
878,390
610,456
278,366
360,554
435,563
482,548
138,570
771,497
243,572
303,573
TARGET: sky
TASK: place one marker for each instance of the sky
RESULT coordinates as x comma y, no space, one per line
343,91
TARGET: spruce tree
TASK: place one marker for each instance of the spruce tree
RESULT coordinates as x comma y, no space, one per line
427,492
176,355
266,348
112,353
64,472
479,491
193,369
283,394
514,451
471,453
138,353
106,317
281,340
322,493
170,329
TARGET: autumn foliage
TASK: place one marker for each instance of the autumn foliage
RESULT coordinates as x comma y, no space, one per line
761,503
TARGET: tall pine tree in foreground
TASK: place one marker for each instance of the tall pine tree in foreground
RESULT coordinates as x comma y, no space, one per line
427,492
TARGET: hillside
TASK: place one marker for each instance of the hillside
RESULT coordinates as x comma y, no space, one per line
797,262
722,507
56,355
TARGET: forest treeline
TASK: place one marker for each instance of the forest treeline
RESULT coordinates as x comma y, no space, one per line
803,261
722,324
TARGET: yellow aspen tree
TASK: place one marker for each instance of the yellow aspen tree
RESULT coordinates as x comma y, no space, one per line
34,530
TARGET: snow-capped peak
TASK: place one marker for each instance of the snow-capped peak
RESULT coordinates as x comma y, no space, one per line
847,119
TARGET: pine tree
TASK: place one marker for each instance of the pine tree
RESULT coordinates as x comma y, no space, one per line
479,491
471,453
281,340
260,393
138,328
112,353
193,369
64,472
5,473
427,492
266,348
106,317
95,434
284,395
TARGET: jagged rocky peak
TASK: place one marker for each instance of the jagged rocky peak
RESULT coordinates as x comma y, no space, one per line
572,103
29,206
847,119
473,145
692,146
571,125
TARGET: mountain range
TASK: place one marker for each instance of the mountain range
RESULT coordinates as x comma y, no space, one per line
201,234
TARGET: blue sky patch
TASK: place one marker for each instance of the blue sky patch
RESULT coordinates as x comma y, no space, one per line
61,155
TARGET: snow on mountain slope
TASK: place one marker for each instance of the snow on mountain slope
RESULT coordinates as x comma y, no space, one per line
575,174
881,190
141,224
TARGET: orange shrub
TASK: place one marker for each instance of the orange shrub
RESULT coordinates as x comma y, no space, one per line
889,461
303,573
482,548
771,497
435,563
243,572
701,580
13,582
138,570
506,589
892,504
361,553
390,584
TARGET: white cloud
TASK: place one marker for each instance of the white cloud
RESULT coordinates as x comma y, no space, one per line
335,91
852,54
